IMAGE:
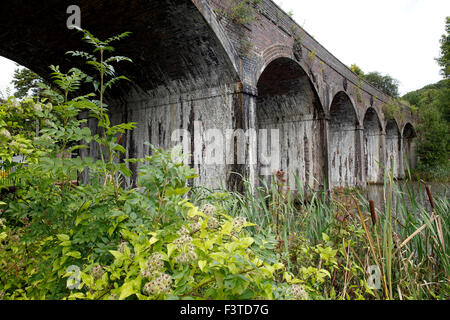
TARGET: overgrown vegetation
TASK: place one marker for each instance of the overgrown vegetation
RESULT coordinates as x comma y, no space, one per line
61,239
244,11
433,103
146,243
384,83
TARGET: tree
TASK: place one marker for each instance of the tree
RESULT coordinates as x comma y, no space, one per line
26,81
357,70
384,83
444,59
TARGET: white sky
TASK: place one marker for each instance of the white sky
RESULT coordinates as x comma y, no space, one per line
397,37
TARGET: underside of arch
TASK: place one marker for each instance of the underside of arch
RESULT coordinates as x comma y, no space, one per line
288,106
343,142
373,150
393,148
409,146
181,72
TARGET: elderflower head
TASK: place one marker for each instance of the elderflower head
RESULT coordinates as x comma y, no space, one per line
183,231
188,255
299,292
37,107
238,224
122,246
153,265
97,271
209,209
213,223
160,285
181,241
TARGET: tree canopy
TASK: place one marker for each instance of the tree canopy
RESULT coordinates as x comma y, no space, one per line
444,59
26,82
384,83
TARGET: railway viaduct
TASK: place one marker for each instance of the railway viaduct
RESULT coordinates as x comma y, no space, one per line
225,64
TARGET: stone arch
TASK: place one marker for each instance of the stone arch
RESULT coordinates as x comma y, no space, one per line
373,146
288,104
184,68
393,148
343,142
409,145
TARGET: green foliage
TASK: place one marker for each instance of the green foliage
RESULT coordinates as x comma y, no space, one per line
433,104
312,56
243,11
26,82
357,70
151,242
444,59
393,110
384,83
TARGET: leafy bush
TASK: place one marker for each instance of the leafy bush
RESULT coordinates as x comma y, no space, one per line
147,243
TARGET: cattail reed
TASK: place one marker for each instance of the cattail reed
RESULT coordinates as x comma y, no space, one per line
373,214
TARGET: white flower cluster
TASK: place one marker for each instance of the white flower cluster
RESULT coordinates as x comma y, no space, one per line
210,210
195,226
37,107
160,285
184,244
97,271
183,231
238,224
153,265
182,241
299,292
122,246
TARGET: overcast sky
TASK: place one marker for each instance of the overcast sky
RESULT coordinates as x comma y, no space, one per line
397,37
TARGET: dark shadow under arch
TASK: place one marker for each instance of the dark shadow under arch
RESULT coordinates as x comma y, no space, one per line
409,146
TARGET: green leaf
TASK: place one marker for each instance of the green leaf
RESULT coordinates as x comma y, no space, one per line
127,290
63,237
170,249
75,254
202,264
116,254
87,279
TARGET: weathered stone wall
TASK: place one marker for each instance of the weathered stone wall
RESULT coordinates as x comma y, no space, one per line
373,147
193,63
393,149
287,102
343,143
